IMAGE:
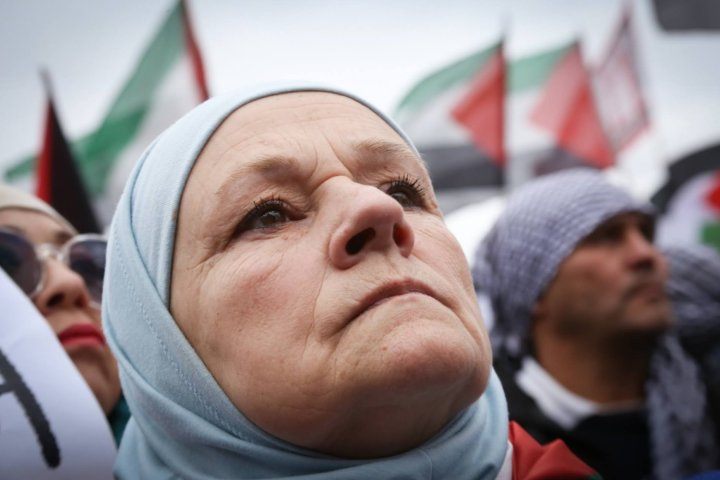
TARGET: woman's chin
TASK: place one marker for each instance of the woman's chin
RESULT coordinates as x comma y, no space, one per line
404,388
102,378
425,357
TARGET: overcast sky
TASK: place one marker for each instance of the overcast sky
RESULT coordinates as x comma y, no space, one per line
376,48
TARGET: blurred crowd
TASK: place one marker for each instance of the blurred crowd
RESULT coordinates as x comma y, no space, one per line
283,299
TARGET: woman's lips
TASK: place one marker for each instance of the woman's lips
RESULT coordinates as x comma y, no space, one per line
388,291
83,334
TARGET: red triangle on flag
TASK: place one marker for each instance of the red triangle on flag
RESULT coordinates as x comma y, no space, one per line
481,109
567,109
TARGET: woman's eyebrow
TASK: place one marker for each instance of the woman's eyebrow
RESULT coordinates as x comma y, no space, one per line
277,168
61,236
13,228
380,151
283,168
58,237
383,148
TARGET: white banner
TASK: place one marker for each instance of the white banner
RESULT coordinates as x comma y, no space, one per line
51,425
619,90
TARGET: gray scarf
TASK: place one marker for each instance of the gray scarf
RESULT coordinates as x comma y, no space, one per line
694,288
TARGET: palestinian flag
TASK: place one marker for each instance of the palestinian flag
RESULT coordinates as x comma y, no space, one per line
567,110
481,110
471,121
436,113
58,181
167,82
689,202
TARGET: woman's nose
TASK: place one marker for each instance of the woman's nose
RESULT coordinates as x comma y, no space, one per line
372,222
62,289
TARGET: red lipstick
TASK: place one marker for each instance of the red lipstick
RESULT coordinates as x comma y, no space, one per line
82,334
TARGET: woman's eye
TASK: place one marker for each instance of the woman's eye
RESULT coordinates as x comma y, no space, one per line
264,215
407,191
270,219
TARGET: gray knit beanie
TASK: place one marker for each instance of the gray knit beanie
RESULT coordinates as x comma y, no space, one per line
542,224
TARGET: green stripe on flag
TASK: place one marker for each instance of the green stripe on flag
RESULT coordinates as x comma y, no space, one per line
24,167
96,153
530,72
524,74
447,77
710,235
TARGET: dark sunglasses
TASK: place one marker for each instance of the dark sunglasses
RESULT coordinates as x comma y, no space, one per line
26,264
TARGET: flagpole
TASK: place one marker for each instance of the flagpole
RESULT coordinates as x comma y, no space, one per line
45,79
505,30
43,169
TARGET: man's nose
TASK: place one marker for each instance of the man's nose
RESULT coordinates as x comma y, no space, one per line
641,252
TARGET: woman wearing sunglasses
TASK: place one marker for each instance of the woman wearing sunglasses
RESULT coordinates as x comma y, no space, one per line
62,273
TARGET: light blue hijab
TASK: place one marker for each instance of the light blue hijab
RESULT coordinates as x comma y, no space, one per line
183,425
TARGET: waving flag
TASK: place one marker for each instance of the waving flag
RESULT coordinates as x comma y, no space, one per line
482,109
426,114
58,180
567,109
689,202
471,121
167,82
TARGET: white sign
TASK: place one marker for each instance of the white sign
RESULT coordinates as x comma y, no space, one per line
51,425
619,90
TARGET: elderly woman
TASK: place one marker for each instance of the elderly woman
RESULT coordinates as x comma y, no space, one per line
62,273
285,301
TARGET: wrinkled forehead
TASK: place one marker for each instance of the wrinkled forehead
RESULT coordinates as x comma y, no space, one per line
296,126
294,113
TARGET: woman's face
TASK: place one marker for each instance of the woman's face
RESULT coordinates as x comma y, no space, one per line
315,277
64,301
